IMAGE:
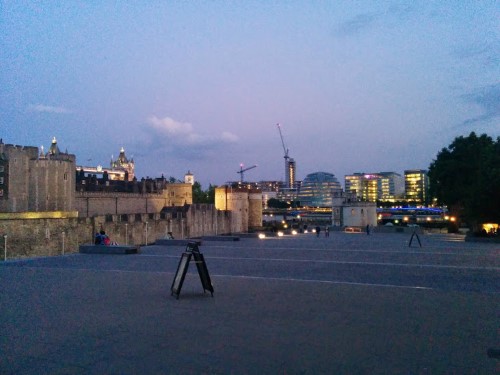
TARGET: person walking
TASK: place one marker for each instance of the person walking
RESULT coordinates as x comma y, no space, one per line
327,231
318,230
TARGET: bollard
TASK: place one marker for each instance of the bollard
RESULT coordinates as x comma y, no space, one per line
126,234
146,233
5,247
63,236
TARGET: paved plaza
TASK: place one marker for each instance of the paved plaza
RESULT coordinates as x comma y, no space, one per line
344,304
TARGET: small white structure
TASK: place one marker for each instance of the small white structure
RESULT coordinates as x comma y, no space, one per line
189,178
348,211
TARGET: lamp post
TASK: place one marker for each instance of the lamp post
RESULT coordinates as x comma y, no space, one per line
126,234
5,247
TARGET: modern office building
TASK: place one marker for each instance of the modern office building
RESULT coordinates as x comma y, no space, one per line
416,186
364,185
391,187
382,186
317,189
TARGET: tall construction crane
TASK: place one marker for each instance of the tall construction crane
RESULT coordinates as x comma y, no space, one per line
289,180
285,150
242,170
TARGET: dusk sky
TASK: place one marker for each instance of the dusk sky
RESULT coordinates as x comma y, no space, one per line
357,86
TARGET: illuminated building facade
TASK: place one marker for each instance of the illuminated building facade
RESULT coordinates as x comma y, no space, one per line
383,186
317,189
121,169
291,170
416,186
354,184
391,187
122,163
269,186
364,185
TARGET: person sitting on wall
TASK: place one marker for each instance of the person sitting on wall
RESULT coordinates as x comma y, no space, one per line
102,238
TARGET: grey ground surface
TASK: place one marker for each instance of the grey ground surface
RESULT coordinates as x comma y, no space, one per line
347,304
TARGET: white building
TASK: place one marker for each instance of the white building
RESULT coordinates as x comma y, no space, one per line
348,211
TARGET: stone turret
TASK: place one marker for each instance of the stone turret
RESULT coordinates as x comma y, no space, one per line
124,164
245,205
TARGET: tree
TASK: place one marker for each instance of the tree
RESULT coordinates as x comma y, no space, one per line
211,193
465,176
200,196
276,203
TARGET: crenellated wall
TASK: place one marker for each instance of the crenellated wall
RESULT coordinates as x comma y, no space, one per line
32,182
90,204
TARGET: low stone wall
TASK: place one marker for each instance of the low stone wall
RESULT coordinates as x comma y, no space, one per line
57,236
43,237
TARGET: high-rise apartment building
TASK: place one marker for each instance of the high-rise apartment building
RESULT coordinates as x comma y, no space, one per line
416,186
291,170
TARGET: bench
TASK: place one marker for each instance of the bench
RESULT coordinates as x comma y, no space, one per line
109,249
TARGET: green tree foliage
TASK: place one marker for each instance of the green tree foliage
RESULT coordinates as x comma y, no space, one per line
211,193
200,196
276,203
465,176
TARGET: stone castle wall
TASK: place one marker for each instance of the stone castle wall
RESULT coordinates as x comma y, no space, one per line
255,210
33,183
51,185
90,204
47,236
245,205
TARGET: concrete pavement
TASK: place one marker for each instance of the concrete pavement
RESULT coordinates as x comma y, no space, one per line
347,304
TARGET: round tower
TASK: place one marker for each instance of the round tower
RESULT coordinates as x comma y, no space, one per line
255,209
